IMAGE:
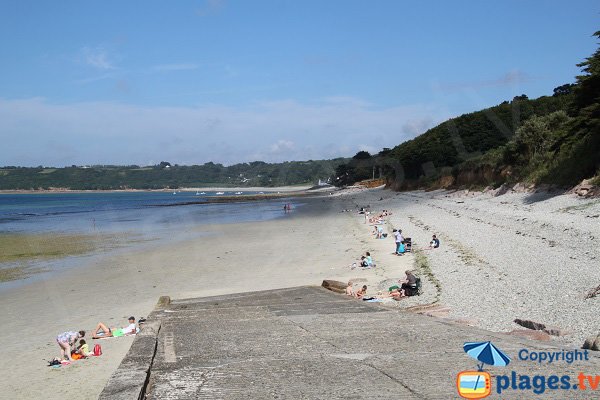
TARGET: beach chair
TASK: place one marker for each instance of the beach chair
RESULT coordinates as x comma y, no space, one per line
407,245
417,290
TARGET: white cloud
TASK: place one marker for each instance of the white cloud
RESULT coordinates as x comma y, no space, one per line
96,57
106,132
282,146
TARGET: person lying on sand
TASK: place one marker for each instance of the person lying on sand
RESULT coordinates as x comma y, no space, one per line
66,341
102,331
393,292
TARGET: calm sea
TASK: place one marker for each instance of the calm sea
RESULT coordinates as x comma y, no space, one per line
140,215
136,212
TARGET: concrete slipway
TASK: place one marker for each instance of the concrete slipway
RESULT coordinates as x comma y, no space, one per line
310,343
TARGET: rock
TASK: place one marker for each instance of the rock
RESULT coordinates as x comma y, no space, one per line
554,331
586,189
592,343
334,286
538,326
519,188
531,335
503,189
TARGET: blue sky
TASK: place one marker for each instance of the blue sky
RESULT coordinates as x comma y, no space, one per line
189,82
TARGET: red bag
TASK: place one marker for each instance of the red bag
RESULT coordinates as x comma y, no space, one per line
97,350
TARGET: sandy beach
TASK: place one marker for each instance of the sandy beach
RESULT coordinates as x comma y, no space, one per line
501,258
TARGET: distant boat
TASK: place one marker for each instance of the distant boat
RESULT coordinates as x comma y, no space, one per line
261,192
238,192
202,193
220,193
174,192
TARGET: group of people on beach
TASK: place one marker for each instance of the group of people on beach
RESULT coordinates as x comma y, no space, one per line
406,287
73,345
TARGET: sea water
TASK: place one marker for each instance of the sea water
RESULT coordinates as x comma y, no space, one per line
142,216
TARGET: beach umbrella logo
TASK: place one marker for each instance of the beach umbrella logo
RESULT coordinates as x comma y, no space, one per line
486,353
478,384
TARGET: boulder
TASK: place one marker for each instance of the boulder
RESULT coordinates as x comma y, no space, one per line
538,326
334,286
519,188
503,189
586,189
592,343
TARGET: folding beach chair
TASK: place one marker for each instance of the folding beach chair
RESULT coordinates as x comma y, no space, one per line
407,244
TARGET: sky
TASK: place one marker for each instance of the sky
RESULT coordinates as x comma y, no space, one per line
228,81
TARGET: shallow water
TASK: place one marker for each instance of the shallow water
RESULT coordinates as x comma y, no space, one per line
133,218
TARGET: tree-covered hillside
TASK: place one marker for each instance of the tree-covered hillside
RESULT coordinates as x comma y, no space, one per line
166,175
552,139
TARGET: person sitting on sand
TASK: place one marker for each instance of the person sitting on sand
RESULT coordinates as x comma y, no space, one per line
409,283
435,242
369,259
66,340
350,290
363,262
84,349
361,292
102,331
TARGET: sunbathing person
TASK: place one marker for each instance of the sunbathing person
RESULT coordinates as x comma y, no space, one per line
102,331
350,290
66,341
361,292
394,292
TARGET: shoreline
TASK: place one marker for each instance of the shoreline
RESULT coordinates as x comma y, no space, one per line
315,242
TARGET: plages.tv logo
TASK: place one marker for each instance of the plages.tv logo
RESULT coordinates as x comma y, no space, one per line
478,384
